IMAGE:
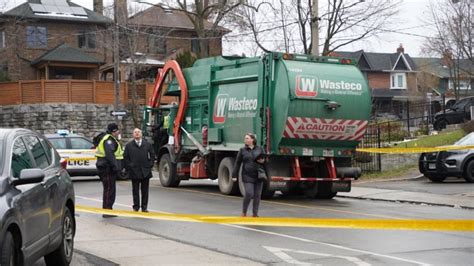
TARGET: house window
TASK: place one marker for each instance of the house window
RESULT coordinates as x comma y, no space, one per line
398,81
86,40
2,39
36,37
157,45
195,46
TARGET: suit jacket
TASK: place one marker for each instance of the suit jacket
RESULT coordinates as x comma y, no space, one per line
139,161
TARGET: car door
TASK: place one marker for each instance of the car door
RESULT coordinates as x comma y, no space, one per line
43,155
84,152
31,203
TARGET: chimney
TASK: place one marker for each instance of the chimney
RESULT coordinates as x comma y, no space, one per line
400,49
122,12
99,6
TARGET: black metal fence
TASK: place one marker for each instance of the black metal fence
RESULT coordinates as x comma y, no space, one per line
369,162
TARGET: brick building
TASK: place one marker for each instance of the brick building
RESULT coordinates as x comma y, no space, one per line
392,77
45,39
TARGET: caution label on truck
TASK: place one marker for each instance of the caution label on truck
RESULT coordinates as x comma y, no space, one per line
327,129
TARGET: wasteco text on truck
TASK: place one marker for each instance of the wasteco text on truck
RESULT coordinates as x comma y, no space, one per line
309,114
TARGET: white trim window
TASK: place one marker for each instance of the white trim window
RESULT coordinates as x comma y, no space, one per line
398,81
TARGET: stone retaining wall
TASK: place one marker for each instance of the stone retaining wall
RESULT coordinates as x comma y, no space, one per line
394,161
85,119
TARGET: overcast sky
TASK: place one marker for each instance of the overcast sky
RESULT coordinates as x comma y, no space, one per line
411,21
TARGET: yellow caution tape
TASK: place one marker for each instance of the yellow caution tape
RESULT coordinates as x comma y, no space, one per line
414,150
385,224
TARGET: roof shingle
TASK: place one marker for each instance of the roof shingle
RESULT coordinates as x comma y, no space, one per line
64,53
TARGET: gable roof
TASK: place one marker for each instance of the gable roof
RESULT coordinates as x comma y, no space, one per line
64,53
25,11
379,61
157,16
437,67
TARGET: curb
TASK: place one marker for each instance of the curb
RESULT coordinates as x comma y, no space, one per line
409,201
388,180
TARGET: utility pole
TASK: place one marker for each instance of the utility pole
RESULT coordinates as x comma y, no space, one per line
314,28
116,57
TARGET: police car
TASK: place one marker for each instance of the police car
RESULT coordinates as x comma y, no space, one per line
77,150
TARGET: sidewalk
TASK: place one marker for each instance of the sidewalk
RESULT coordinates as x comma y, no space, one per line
129,247
459,201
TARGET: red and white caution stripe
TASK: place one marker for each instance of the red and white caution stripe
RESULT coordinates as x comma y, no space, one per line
324,129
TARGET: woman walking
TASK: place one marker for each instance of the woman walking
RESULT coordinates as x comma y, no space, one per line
251,156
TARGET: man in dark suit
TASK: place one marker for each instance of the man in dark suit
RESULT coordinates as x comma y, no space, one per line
139,158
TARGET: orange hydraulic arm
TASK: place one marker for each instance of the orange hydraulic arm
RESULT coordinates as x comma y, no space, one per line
157,91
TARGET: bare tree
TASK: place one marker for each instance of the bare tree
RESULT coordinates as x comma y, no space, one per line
201,12
453,39
343,22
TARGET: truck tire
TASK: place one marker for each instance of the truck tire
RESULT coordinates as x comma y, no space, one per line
10,252
435,178
469,172
167,172
226,185
63,254
324,191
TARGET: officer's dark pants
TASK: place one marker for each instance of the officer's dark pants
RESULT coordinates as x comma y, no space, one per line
142,184
108,178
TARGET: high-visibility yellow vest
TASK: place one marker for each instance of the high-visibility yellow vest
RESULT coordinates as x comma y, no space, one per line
100,151
166,121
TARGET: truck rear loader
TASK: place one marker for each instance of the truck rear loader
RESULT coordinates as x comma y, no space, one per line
308,113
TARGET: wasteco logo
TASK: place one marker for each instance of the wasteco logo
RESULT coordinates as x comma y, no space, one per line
233,107
306,86
220,109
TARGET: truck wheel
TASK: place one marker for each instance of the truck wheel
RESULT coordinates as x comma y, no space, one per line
226,185
440,124
10,252
167,172
63,254
324,191
469,172
435,178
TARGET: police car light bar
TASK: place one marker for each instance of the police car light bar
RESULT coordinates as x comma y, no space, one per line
63,132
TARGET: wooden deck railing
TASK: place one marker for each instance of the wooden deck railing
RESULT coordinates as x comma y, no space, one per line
72,91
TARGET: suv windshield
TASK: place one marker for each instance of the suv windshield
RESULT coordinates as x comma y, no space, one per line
466,140
461,104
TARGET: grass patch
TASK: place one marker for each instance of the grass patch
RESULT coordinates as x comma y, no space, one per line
393,173
435,140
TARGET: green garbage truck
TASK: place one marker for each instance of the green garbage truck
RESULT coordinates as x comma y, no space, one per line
309,113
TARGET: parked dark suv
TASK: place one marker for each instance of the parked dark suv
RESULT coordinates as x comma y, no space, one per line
458,113
36,201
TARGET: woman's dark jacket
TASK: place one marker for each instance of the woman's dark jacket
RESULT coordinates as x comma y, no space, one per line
139,161
250,167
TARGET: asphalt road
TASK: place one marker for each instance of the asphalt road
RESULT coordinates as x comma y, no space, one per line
285,245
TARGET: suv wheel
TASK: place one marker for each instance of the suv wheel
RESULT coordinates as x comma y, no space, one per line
436,178
440,124
63,254
469,172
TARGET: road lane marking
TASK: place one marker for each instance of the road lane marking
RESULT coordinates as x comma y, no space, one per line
281,203
331,245
282,253
370,224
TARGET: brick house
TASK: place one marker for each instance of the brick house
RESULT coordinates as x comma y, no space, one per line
442,76
392,77
158,35
45,39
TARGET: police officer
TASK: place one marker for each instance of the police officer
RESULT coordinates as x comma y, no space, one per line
109,154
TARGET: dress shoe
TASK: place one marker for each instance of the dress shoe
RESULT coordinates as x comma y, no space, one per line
145,210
